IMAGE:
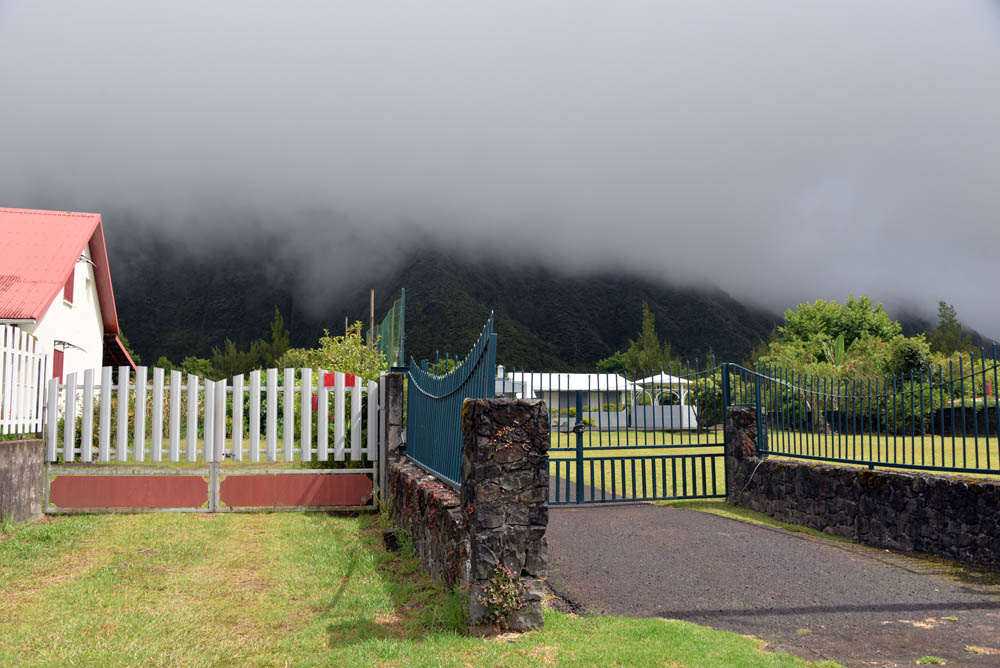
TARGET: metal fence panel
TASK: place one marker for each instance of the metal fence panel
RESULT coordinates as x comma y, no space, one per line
434,407
943,419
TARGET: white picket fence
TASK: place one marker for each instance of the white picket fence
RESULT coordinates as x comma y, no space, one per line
155,407
22,371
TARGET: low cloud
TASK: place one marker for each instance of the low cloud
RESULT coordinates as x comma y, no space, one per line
783,151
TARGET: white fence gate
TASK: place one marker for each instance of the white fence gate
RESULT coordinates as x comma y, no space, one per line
150,442
22,371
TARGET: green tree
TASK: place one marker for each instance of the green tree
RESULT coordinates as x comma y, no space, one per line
231,361
165,364
443,366
644,353
128,348
198,366
347,353
947,337
821,324
616,363
908,355
271,351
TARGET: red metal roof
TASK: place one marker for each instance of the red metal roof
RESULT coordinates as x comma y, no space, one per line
38,250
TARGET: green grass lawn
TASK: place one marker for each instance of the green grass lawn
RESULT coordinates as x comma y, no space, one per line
283,589
609,465
920,451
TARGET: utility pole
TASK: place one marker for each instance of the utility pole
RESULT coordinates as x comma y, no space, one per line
371,322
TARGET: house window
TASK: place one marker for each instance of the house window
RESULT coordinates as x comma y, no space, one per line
57,364
68,288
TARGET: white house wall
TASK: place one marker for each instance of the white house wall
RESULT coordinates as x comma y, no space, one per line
565,400
79,323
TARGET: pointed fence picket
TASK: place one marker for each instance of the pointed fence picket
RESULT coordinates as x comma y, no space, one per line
22,382
134,418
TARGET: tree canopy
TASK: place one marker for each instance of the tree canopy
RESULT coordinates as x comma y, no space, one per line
645,352
947,337
857,338
823,320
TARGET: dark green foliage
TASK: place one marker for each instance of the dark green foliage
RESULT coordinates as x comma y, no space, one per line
262,354
616,363
128,348
199,366
822,323
165,364
552,322
705,394
231,361
947,338
908,355
443,366
177,304
643,353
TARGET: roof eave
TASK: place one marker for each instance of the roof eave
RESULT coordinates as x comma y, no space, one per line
102,277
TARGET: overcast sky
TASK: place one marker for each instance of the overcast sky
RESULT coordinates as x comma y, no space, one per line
784,150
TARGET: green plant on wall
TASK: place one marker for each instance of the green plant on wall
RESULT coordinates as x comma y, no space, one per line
502,596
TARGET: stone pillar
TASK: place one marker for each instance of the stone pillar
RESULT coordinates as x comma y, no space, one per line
393,414
741,447
505,479
22,479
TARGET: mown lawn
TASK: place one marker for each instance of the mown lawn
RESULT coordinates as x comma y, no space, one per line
609,462
283,590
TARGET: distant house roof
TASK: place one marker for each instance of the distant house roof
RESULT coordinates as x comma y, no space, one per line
38,250
571,382
662,379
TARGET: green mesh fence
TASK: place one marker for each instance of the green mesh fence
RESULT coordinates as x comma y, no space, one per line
391,332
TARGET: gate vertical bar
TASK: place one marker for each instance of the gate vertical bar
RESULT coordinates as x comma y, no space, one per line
491,368
578,428
726,399
760,424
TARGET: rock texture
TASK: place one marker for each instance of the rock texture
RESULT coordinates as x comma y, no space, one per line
499,517
505,477
941,515
22,475
429,512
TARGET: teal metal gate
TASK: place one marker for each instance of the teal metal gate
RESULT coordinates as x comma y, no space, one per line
639,438
434,407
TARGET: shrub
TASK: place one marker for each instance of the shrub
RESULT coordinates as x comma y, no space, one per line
706,397
502,596
908,355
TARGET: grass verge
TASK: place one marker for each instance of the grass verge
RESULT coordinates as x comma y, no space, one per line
284,589
721,508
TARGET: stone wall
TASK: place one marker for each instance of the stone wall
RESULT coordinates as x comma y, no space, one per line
499,517
22,475
505,479
430,513
934,514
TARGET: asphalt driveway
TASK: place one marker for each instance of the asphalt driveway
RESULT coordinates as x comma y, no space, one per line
810,596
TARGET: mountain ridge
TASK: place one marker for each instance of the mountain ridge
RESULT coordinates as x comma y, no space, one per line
177,303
